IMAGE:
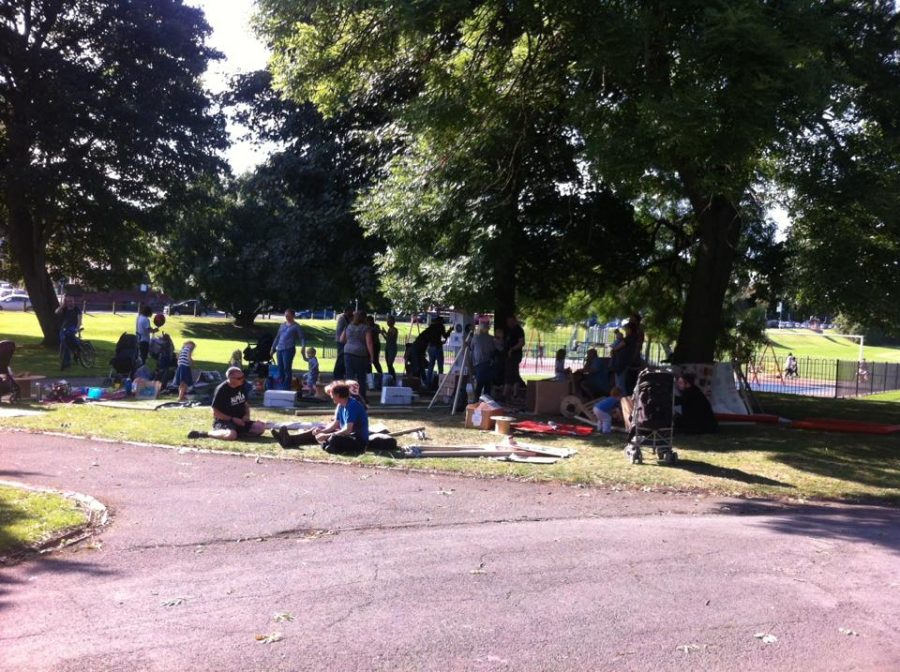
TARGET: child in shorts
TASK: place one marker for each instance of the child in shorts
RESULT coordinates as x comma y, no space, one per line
312,377
184,376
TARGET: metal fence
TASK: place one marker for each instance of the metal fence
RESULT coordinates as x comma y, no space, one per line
816,377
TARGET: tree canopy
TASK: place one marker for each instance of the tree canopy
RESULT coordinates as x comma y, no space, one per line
286,234
102,113
533,133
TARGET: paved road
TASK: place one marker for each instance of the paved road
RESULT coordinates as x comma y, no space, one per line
385,570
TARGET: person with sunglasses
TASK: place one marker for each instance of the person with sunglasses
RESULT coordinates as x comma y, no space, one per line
231,412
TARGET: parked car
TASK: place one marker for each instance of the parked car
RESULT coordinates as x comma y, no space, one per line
772,324
189,307
15,302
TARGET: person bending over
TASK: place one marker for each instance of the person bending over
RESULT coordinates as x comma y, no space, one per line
606,408
349,431
231,412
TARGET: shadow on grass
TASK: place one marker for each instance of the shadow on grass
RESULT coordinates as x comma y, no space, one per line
872,464
797,408
705,469
874,524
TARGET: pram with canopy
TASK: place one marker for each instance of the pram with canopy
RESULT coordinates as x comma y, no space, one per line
259,355
8,384
126,357
652,416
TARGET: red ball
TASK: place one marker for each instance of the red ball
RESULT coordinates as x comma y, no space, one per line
159,319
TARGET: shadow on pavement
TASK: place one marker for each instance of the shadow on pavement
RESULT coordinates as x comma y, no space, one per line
46,565
875,524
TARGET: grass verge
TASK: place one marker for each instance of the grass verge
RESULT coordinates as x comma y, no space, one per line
27,518
764,461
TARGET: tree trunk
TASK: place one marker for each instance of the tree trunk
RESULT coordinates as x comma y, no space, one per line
719,233
28,249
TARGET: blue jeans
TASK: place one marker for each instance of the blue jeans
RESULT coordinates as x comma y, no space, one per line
285,360
484,378
357,368
435,356
66,344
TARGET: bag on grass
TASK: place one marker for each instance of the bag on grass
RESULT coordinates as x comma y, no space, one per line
381,443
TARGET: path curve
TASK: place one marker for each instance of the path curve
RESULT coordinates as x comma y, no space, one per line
387,570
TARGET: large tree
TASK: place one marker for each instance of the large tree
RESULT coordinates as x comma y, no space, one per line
676,107
844,177
285,234
101,113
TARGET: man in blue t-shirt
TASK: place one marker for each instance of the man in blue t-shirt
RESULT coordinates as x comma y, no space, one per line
349,431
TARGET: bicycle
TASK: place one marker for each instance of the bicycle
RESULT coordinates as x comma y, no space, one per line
82,351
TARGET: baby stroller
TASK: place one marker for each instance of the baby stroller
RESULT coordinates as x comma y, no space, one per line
126,358
259,355
652,416
8,384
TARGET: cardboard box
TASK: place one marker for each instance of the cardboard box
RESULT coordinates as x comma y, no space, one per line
478,416
545,396
279,398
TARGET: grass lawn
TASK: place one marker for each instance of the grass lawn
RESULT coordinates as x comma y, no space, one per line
804,343
768,461
28,518
217,338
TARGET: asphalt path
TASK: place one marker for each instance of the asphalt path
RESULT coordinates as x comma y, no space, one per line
389,570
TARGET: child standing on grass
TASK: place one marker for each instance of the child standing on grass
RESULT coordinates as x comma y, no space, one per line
604,409
309,356
184,377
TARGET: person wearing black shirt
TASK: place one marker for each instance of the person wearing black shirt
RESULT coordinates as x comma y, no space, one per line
433,337
70,323
231,412
696,415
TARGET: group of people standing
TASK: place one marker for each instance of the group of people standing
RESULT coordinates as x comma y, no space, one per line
357,337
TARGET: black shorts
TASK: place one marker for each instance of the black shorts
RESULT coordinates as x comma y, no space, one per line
228,424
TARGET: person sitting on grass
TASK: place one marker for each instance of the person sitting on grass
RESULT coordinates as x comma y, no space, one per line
605,408
349,431
231,412
696,415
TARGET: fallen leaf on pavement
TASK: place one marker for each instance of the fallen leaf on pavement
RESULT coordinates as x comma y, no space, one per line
280,616
269,638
